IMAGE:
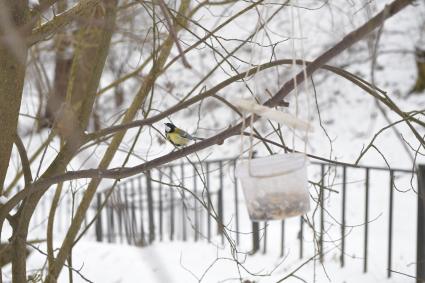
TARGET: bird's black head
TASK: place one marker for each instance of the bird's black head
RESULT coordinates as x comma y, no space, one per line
169,127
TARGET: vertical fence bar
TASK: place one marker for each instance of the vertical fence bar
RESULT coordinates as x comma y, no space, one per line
160,207
151,220
420,243
118,204
202,198
171,205
195,203
209,202
110,216
282,238
99,231
265,238
142,220
236,206
133,211
112,221
127,219
322,211
184,232
301,237
366,221
220,203
344,187
390,225
255,237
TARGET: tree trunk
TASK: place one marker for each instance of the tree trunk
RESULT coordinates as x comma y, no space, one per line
13,54
13,14
92,47
63,63
57,95
420,65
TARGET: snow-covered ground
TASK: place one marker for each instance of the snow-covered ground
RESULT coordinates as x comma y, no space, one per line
190,262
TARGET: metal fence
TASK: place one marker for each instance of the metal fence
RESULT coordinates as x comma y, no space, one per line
203,201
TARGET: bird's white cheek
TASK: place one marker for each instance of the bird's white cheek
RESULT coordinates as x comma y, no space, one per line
167,129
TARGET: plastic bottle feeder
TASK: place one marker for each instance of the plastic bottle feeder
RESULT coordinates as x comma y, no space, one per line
275,187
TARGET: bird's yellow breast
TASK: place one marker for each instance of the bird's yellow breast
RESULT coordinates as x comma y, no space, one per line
176,139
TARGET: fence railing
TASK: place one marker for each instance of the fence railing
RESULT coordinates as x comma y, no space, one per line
203,201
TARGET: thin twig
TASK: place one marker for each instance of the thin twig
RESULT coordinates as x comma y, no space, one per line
173,33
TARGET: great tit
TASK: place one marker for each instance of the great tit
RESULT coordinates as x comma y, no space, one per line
177,136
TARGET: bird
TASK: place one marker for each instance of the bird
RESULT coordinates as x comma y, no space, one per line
177,136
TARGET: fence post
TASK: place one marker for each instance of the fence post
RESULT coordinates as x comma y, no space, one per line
195,204
322,211
255,237
390,225
150,207
171,204
207,169
366,221
420,243
344,192
99,231
160,207
183,203
282,239
220,203
265,238
236,205
142,241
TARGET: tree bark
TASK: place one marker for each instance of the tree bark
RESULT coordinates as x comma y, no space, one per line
420,65
63,63
13,54
93,42
13,14
57,95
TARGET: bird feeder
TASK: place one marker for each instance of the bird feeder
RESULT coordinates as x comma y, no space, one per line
275,187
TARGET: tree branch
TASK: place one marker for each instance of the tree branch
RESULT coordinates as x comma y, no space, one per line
119,173
24,160
211,92
59,21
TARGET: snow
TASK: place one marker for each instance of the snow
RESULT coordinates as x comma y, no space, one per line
178,262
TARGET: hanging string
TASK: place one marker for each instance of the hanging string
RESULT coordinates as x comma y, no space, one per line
250,62
293,66
307,87
304,70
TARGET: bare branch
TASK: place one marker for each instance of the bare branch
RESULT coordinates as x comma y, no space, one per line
59,21
173,33
24,160
119,173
